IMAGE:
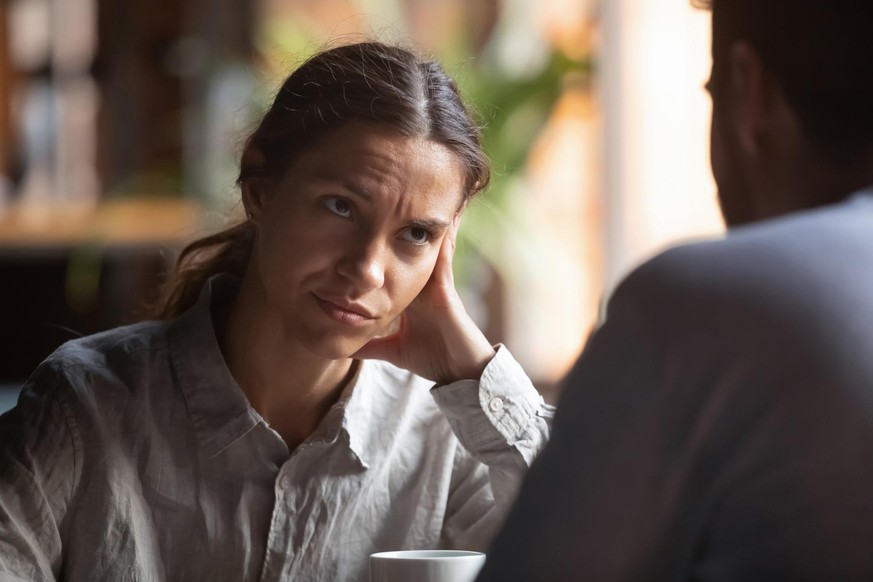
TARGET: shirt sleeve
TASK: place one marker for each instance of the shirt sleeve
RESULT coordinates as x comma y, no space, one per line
501,423
37,467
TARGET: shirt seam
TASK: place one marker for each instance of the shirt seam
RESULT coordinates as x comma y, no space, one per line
75,439
67,365
126,338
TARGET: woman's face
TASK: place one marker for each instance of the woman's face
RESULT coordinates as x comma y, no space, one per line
350,235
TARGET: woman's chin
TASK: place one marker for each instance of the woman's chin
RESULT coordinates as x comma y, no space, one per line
337,348
338,344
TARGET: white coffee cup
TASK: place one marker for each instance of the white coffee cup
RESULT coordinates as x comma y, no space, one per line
425,566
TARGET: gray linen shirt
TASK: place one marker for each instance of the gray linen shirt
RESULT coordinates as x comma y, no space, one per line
719,425
134,455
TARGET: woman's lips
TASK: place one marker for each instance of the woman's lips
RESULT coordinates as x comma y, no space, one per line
344,313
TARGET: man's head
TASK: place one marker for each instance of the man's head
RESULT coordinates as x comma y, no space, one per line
792,87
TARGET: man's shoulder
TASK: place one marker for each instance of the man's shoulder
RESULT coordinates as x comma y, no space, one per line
801,280
826,245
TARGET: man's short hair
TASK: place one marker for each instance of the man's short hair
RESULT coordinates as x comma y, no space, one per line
821,53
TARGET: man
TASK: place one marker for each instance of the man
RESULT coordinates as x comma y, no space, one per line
719,425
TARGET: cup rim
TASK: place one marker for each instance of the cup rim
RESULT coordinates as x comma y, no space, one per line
427,555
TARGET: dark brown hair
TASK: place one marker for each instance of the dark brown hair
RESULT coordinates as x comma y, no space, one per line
368,82
820,52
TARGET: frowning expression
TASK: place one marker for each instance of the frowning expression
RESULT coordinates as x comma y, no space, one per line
350,234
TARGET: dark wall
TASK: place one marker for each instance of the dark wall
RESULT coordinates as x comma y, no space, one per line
48,298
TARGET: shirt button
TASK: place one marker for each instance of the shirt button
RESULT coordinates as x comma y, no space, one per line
284,482
496,404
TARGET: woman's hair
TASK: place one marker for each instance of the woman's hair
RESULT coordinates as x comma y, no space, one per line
368,82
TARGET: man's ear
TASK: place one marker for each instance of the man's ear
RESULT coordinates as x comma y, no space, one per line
254,186
746,93
758,103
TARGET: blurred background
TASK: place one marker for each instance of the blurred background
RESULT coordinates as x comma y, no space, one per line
121,122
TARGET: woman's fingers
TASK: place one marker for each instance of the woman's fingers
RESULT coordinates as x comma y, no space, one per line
453,236
443,274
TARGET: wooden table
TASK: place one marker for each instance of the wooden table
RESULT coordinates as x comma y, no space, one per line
41,225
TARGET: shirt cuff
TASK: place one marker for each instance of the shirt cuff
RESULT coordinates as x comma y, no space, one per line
501,408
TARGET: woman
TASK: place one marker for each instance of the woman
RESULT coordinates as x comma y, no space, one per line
279,420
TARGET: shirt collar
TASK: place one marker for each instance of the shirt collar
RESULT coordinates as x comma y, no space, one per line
218,408
357,407
348,420
378,394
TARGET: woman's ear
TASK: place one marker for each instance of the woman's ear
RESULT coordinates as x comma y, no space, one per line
253,186
253,197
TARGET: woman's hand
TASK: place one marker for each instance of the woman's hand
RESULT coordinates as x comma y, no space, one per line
436,338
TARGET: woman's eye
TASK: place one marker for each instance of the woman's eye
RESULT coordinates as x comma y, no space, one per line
416,235
339,206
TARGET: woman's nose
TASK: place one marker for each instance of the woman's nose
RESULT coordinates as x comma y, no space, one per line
364,265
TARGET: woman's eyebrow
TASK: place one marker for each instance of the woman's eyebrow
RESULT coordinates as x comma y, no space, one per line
347,185
429,224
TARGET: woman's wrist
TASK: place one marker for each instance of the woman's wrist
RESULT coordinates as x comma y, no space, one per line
470,363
